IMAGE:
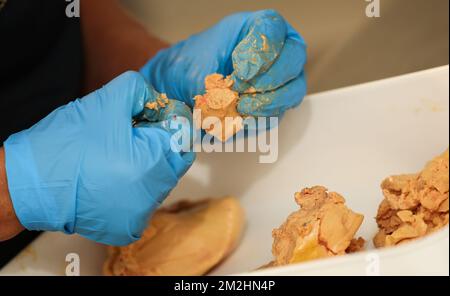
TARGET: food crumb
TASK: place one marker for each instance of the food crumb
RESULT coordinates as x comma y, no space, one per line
356,245
161,102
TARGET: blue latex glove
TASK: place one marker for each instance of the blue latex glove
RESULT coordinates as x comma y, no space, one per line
85,169
260,50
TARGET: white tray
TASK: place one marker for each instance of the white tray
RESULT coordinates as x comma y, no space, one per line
348,140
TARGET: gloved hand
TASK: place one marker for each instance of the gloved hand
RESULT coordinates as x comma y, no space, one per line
85,169
261,51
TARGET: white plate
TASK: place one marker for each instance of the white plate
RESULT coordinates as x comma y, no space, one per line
348,140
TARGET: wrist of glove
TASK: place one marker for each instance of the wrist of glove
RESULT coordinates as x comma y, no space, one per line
86,169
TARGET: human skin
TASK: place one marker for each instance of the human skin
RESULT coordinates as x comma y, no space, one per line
113,42
10,225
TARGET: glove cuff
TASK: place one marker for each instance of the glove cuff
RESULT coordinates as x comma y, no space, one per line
39,204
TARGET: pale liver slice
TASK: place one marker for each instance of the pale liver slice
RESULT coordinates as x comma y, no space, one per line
322,227
415,204
188,239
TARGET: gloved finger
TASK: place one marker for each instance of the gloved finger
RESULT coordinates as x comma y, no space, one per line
151,150
173,116
190,61
265,34
181,167
180,131
162,108
179,160
127,95
274,103
286,67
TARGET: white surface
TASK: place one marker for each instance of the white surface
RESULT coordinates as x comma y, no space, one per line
348,140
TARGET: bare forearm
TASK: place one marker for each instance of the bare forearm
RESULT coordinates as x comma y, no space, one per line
9,223
114,42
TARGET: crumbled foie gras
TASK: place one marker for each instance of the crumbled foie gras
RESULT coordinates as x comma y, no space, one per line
414,205
216,110
323,226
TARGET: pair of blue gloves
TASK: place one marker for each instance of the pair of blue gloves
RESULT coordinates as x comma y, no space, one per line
87,169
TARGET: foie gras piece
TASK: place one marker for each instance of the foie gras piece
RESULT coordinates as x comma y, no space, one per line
186,239
415,204
216,110
323,227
